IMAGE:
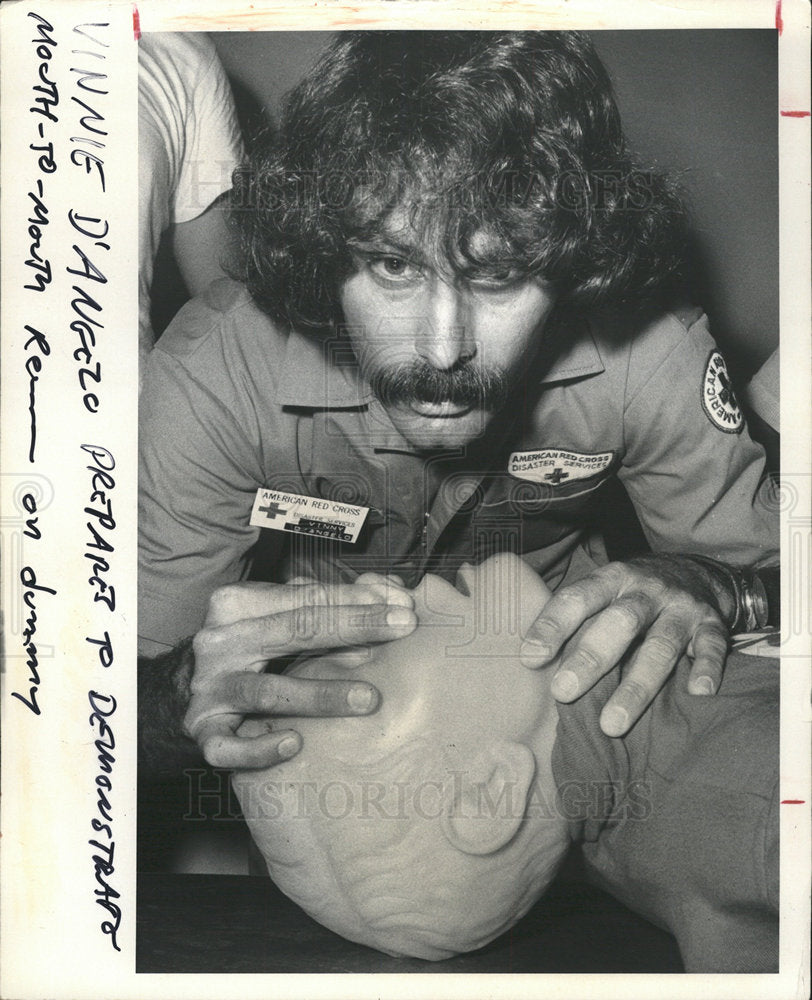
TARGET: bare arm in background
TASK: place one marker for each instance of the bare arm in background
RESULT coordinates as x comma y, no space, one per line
204,246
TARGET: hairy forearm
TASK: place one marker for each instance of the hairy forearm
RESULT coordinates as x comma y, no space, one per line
163,697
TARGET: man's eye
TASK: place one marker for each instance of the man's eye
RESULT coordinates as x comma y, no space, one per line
393,268
506,278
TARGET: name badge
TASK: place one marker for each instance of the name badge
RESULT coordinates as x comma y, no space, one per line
556,466
307,515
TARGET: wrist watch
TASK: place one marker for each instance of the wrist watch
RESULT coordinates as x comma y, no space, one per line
756,593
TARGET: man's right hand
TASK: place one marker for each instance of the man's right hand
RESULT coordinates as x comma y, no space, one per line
250,624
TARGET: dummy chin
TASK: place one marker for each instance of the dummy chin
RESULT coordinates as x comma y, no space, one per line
429,827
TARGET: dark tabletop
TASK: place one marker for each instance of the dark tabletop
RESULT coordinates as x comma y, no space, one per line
243,923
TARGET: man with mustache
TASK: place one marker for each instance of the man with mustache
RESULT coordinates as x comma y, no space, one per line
462,313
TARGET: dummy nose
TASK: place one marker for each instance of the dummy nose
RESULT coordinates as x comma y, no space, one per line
446,339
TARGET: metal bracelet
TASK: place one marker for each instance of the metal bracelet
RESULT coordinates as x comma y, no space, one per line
754,600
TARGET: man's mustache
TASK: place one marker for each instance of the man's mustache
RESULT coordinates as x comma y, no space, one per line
417,381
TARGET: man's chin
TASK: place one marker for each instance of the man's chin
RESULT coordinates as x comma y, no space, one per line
440,426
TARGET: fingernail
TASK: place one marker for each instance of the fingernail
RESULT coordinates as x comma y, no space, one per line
361,698
398,615
565,685
288,747
614,720
704,685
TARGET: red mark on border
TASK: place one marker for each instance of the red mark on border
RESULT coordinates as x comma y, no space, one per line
792,802
137,23
779,21
795,114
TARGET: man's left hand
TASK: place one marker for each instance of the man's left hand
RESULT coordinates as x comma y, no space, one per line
664,605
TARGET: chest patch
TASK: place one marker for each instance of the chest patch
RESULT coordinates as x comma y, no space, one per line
556,466
718,399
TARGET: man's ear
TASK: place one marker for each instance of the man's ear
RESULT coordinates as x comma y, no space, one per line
485,803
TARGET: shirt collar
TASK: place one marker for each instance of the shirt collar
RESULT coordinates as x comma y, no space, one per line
578,358
321,372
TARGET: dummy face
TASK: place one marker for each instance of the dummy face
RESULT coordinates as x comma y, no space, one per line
429,827
461,341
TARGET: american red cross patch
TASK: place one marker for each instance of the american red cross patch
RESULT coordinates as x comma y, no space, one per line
557,466
718,399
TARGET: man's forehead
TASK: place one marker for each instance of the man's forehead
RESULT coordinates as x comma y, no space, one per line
414,230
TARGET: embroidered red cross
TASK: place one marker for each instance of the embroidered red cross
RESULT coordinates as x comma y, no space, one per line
726,395
556,477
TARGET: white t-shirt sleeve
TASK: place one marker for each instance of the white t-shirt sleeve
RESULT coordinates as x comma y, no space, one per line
213,142
188,141
762,393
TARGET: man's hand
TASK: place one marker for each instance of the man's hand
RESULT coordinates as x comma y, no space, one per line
250,624
663,605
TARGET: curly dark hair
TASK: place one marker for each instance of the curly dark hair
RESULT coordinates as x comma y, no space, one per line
516,134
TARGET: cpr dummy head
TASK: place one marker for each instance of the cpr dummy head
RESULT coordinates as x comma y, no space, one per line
429,827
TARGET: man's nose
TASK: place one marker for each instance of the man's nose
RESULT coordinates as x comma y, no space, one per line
446,338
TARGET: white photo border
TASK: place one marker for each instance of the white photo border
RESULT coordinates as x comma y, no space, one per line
53,944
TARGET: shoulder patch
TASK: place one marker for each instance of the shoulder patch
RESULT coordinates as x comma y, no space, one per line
718,399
